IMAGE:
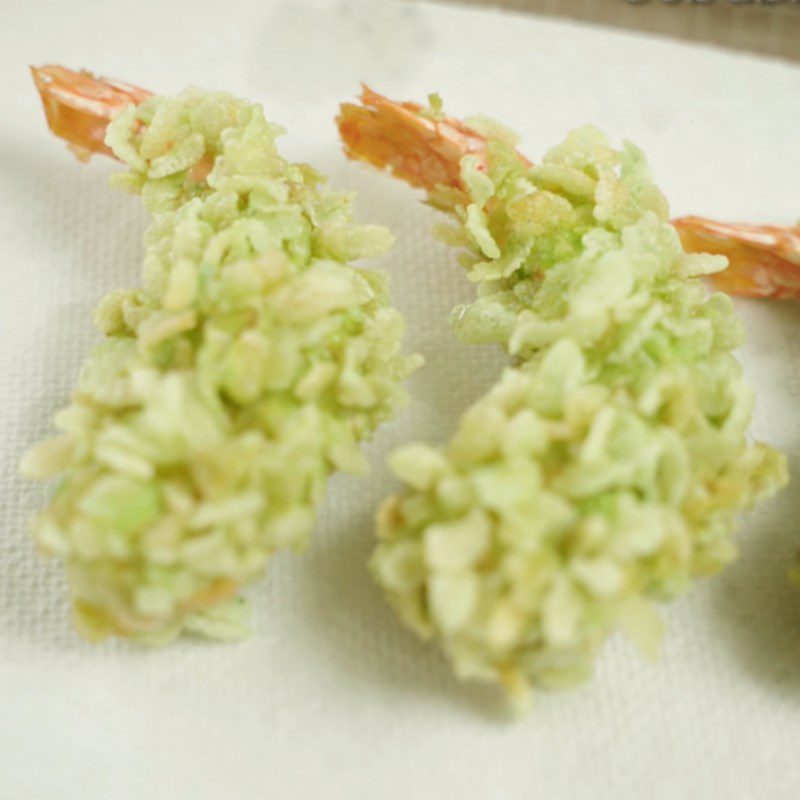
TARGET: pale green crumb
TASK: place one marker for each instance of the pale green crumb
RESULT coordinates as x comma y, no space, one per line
244,371
607,467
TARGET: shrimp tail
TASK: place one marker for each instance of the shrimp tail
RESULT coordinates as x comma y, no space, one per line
764,260
78,106
420,146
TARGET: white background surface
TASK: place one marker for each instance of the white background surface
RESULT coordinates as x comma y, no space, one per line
331,698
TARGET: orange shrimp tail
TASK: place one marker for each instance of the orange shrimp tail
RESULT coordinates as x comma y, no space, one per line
764,259
79,106
422,149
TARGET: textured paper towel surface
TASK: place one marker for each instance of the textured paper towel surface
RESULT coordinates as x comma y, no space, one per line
331,698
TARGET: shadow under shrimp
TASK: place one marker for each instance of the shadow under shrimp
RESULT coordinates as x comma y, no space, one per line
87,242
425,285
35,588
356,632
96,233
757,608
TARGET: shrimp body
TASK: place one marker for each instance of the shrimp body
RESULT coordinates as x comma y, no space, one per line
606,467
228,387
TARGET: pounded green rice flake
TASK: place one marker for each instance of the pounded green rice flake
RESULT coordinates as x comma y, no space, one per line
606,469
229,387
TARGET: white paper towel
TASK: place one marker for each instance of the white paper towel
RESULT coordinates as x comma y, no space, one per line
332,698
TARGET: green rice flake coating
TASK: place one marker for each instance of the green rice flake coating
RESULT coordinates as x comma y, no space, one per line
606,468
227,389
